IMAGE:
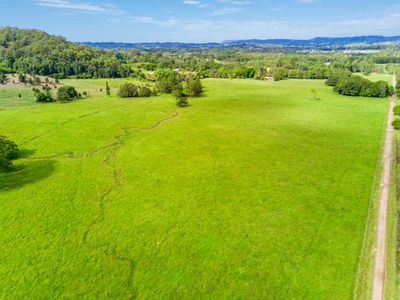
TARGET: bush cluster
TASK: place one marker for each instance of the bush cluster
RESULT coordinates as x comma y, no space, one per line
357,86
43,95
194,88
8,152
166,80
181,97
170,82
396,124
67,93
64,94
336,75
130,90
396,110
3,78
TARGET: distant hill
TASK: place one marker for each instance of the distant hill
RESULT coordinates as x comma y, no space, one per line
371,39
117,45
318,41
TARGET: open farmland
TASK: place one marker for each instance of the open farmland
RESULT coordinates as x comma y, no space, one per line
256,190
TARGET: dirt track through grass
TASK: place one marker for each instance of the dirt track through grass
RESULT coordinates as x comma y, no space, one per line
378,285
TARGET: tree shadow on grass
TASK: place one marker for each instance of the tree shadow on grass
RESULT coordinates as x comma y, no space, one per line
27,173
26,153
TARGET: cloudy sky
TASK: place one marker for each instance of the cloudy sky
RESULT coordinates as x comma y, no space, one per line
202,20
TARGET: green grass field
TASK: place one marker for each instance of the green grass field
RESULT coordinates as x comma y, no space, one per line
10,97
257,190
377,77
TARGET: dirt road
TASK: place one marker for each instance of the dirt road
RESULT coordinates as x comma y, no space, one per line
379,276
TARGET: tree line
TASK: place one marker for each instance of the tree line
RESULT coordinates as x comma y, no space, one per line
348,84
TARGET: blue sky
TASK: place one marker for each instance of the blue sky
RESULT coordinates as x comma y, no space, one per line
202,20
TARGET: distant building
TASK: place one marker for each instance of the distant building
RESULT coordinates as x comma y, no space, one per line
269,78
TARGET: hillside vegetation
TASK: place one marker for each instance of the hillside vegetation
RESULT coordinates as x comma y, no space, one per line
36,52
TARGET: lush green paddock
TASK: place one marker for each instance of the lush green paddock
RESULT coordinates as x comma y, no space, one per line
98,86
9,97
377,77
256,190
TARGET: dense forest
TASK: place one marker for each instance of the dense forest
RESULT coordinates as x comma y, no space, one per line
35,52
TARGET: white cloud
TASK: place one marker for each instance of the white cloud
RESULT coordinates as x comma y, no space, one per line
210,28
195,3
80,6
191,2
386,23
150,20
235,2
220,30
226,11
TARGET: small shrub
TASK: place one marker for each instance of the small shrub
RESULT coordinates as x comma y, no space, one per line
42,96
396,110
182,101
67,93
8,148
3,78
194,88
5,164
166,80
8,152
22,78
144,91
36,80
154,92
128,90
396,124
177,90
108,90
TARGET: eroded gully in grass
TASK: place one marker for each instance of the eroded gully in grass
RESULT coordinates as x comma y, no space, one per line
117,143
66,122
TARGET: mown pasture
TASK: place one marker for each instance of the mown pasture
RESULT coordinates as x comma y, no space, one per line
257,190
